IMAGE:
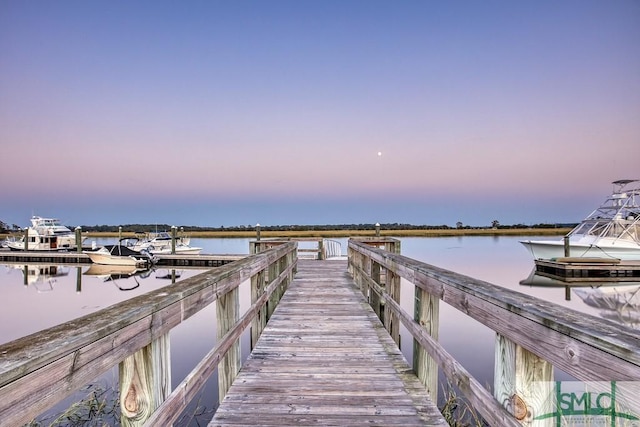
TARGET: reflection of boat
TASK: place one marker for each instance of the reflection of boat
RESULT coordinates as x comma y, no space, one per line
535,279
617,303
35,274
45,234
113,272
169,274
610,231
160,243
120,254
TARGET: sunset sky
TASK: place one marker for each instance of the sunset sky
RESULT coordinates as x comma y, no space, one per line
241,112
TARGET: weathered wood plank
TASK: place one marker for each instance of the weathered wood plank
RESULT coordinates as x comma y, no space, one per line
324,358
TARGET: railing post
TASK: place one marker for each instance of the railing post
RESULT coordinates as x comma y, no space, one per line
523,383
258,323
227,315
374,298
272,302
392,321
427,314
321,249
145,381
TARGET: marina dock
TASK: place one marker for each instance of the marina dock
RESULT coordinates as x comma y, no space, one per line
324,358
323,342
581,269
175,260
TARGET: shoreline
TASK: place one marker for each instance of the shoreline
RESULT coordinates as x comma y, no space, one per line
357,233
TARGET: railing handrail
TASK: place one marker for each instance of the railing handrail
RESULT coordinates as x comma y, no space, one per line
600,334
39,370
584,346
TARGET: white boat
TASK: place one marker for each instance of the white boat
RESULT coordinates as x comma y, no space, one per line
161,244
120,254
610,231
45,234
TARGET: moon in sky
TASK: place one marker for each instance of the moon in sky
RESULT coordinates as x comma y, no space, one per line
379,153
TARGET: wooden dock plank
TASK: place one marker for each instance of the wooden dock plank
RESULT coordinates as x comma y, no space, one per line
324,358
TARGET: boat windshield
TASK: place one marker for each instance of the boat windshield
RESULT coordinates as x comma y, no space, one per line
617,229
591,228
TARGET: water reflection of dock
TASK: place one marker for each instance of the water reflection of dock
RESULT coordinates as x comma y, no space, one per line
618,301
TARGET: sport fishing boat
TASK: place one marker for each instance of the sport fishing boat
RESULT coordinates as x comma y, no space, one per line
45,234
610,231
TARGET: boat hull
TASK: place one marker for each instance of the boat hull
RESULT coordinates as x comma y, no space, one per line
187,250
548,249
99,257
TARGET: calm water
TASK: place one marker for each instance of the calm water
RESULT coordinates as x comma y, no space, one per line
43,300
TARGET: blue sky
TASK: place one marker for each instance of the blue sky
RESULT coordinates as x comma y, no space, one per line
274,112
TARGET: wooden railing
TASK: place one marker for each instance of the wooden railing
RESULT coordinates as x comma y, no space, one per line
39,370
532,335
319,249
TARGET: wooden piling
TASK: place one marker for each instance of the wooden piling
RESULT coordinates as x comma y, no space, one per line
79,239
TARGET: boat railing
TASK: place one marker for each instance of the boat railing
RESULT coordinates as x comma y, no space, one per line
40,370
532,336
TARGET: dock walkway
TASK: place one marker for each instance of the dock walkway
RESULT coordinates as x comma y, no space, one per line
324,359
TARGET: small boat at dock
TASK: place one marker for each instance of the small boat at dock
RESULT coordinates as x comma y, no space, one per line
120,254
610,231
163,244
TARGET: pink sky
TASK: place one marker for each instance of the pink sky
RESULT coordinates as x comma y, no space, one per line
521,112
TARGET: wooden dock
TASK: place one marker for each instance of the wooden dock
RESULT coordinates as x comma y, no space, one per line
324,358
73,258
576,269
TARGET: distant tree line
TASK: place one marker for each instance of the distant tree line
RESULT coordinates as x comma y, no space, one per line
144,228
4,227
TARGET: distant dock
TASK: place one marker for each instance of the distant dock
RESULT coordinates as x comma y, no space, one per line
51,257
578,269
